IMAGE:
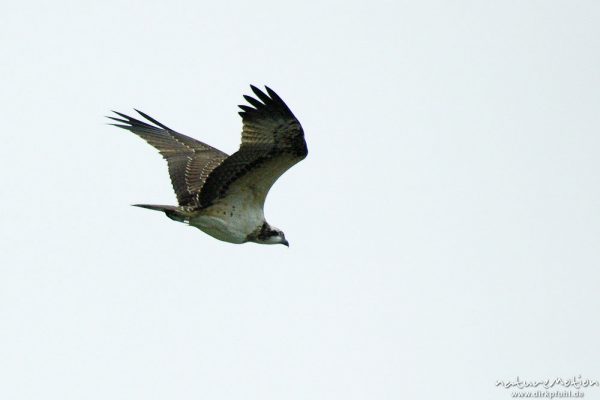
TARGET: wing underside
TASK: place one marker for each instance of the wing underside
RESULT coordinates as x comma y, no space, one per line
190,161
272,142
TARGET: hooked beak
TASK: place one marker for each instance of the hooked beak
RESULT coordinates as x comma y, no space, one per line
285,242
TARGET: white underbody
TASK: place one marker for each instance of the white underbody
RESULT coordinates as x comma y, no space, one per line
241,211
233,218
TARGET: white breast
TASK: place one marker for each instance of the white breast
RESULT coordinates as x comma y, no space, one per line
231,219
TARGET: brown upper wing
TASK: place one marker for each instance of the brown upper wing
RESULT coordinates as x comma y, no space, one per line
272,142
190,161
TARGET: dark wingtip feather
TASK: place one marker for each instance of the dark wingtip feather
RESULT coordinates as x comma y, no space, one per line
271,104
273,95
121,126
121,115
247,109
138,125
149,118
253,101
117,119
261,95
270,91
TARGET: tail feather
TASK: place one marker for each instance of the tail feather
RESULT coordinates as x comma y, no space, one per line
173,212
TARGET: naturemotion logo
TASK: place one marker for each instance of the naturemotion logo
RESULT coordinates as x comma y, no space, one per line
549,388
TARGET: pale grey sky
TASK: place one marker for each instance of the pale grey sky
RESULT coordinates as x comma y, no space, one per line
444,228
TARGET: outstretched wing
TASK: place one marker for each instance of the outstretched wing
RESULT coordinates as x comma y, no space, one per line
272,142
190,161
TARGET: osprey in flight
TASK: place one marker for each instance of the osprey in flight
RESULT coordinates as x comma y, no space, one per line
223,195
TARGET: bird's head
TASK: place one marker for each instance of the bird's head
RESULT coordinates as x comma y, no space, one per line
270,235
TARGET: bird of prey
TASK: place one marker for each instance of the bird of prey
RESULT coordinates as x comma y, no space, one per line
223,195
